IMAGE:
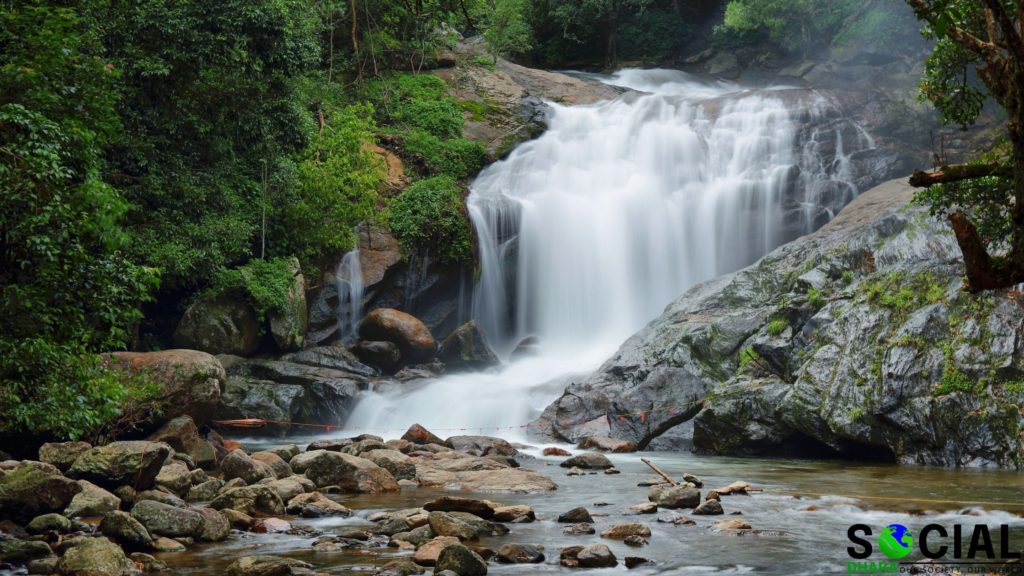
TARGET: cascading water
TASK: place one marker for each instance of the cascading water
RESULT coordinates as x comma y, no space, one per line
350,295
588,232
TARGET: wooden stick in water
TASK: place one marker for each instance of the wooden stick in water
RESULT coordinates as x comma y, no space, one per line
659,471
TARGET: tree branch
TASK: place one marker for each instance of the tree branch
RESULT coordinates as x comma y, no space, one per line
986,50
922,179
1014,41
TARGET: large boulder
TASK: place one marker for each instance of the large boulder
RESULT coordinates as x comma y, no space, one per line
285,392
855,341
135,463
28,491
350,473
95,557
466,349
407,332
481,445
384,355
400,465
417,434
190,380
288,325
92,501
182,435
222,324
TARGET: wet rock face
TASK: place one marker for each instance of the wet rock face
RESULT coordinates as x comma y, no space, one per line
855,341
410,334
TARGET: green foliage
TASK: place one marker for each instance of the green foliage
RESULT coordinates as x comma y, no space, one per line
66,292
815,298
793,25
953,380
337,181
902,293
1014,386
747,356
212,118
777,326
847,276
458,158
265,282
430,215
508,33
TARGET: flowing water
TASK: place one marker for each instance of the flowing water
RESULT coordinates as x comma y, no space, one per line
350,295
802,515
589,231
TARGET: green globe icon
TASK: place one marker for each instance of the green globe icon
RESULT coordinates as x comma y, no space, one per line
896,541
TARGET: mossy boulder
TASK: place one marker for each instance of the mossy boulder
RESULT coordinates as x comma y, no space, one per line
134,463
222,324
28,491
95,557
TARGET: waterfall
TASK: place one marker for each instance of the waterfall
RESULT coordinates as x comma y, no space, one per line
350,295
589,231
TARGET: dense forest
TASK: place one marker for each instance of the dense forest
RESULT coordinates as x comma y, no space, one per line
151,152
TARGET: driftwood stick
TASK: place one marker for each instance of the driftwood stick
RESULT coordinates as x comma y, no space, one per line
659,471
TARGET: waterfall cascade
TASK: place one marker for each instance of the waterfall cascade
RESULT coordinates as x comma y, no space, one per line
350,295
589,231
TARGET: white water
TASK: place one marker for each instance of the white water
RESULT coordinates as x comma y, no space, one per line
588,232
350,295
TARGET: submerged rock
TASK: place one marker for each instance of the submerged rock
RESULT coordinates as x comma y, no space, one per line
588,460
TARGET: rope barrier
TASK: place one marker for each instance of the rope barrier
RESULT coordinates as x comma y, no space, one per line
621,417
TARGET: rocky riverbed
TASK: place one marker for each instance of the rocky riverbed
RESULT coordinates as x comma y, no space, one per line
466,504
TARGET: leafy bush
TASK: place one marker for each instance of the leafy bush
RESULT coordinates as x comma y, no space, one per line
430,214
265,282
815,298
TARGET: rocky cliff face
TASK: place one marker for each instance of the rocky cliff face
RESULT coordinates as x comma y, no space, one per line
855,341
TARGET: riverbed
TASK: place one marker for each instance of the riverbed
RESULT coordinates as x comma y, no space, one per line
800,518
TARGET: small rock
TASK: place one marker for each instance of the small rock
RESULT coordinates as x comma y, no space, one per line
517,513
43,565
634,561
166,520
163,544
161,497
623,531
588,460
678,497
712,495
482,508
176,477
267,566
520,554
574,471
645,508
238,520
149,564
238,464
583,528
49,523
400,567
709,508
206,491
605,444
738,487
693,480
596,556
129,532
461,560
250,500
428,554
17,551
95,557
271,526
612,470
677,520
731,525
92,501
277,465
215,527
417,434
62,454
332,445
555,451
567,556
635,541
575,516
315,505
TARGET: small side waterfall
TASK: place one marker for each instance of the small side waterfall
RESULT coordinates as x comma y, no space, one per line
589,231
350,295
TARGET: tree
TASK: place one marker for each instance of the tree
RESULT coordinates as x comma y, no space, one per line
794,25
66,290
577,17
508,33
985,201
